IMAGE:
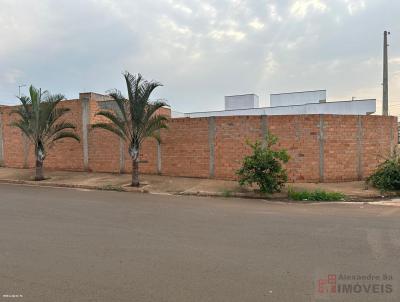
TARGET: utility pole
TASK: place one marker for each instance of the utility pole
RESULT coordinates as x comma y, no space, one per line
385,98
19,89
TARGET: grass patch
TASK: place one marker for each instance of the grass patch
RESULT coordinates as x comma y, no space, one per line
113,188
227,193
317,195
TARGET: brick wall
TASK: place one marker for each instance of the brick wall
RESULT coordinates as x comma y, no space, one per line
322,147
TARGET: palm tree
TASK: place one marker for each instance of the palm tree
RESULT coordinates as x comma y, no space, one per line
39,120
135,117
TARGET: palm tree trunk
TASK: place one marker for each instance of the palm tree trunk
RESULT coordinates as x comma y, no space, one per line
39,170
135,173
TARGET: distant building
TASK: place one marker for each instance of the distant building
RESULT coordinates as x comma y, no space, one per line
306,102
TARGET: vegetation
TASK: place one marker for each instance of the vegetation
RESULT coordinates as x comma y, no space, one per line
227,193
135,117
39,120
387,176
112,188
264,166
317,195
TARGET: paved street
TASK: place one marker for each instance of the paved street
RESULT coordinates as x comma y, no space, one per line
76,245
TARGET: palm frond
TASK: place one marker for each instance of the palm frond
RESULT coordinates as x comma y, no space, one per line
39,116
24,127
110,128
152,109
66,134
53,131
112,116
121,102
53,98
154,124
52,117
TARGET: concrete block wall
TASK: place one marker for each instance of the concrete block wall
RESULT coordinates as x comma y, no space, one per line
326,148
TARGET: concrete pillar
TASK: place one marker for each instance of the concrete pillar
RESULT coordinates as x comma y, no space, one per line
211,144
25,141
360,170
121,155
159,169
1,140
385,84
264,129
85,124
392,140
321,139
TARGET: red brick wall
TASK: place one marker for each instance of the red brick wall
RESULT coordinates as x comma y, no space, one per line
298,134
185,150
230,142
352,146
14,142
67,154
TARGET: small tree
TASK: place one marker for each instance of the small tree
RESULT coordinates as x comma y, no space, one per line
135,117
264,166
386,177
39,120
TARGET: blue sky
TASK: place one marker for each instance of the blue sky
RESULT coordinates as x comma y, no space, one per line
200,50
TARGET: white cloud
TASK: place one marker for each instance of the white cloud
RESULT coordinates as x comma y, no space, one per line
273,13
167,23
301,8
354,6
256,24
227,35
271,65
12,76
181,7
259,46
209,10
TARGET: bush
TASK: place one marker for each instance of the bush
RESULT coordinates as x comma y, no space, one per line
317,195
387,176
264,166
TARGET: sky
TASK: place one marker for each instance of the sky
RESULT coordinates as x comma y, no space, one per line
201,50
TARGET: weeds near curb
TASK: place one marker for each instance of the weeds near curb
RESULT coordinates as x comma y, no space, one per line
112,188
227,193
317,195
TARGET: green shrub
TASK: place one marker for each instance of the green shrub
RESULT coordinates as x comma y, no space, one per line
112,188
317,195
264,166
227,193
387,176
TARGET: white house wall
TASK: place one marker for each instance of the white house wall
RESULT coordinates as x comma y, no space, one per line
359,107
298,98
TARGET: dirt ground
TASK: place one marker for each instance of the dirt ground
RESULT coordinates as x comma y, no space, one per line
174,185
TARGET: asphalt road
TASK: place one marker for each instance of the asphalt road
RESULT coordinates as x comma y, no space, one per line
75,245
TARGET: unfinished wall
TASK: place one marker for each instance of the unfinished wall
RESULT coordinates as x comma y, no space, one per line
322,147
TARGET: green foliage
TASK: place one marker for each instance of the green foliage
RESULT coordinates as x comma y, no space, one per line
41,120
264,166
387,176
227,193
112,188
135,117
317,195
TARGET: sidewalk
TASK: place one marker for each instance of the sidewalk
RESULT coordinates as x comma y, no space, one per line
175,185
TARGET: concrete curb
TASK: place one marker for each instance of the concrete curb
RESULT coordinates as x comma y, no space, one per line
376,200
73,186
351,199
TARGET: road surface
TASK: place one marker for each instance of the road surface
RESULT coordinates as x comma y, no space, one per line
75,245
